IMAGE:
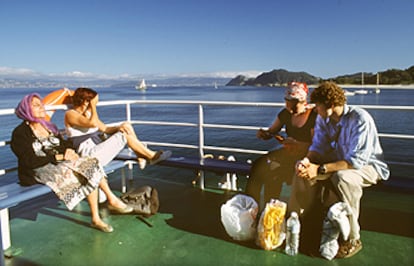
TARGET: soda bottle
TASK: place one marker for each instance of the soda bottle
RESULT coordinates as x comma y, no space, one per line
292,234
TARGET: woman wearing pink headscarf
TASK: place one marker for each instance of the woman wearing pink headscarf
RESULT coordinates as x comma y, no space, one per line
45,157
276,167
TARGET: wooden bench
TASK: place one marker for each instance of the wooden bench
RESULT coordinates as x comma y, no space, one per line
11,194
195,163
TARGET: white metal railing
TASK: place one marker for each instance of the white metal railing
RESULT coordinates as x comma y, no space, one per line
201,125
201,147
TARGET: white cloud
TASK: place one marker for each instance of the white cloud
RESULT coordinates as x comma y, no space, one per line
17,72
73,74
224,74
89,75
8,72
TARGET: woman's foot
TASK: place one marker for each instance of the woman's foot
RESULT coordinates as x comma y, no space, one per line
119,207
125,210
160,156
142,163
104,227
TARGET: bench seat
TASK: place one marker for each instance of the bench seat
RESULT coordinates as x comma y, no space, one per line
195,163
11,194
208,164
230,168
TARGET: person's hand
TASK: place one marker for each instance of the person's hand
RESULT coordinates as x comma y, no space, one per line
126,128
312,171
263,134
301,167
95,100
306,170
71,155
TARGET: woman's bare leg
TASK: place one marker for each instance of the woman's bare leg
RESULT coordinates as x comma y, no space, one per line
135,144
93,204
113,200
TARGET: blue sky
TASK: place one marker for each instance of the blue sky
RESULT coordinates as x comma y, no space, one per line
132,38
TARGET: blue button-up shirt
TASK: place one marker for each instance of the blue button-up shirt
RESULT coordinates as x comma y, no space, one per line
353,139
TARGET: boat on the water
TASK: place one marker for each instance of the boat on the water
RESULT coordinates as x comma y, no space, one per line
361,91
142,86
349,93
187,230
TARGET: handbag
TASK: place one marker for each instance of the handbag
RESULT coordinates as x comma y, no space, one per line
144,200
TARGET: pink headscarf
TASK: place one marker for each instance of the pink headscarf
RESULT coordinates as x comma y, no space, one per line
297,91
24,112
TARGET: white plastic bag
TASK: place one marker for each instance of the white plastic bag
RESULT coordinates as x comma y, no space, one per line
270,230
238,216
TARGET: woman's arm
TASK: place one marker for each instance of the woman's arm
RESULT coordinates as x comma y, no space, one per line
75,119
272,130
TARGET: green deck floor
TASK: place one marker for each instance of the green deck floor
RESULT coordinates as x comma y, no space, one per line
188,231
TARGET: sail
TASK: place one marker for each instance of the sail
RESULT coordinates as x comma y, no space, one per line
142,85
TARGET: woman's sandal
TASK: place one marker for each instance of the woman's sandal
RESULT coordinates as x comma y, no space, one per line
127,209
160,156
104,228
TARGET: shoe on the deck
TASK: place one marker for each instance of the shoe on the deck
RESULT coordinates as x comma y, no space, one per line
104,228
142,163
160,156
349,248
125,210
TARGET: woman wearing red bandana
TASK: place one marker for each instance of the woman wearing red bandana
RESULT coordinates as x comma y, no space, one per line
276,167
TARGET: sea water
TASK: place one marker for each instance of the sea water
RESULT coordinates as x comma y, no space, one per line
398,121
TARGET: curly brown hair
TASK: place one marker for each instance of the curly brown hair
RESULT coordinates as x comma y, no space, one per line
329,94
81,95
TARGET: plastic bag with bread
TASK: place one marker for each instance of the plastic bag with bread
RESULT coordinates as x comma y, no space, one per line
270,232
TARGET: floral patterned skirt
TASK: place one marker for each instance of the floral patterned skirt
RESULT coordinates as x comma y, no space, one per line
71,181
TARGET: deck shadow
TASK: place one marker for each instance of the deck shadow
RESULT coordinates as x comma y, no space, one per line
30,209
198,212
192,209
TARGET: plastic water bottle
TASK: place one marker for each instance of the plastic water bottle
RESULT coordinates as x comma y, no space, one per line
292,234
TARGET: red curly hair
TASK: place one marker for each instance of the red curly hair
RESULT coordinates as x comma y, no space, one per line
329,94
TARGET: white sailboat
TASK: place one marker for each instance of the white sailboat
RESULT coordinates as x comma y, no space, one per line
361,91
141,86
377,89
349,93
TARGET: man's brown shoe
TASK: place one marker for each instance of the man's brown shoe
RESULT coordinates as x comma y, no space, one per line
349,248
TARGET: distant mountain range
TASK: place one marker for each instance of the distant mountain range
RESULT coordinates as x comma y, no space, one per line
388,77
281,77
277,77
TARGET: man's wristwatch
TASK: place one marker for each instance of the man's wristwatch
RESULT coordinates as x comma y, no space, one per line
322,169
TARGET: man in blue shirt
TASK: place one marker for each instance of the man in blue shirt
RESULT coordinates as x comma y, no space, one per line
346,150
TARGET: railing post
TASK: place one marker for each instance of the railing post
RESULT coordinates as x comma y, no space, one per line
128,112
201,141
200,131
